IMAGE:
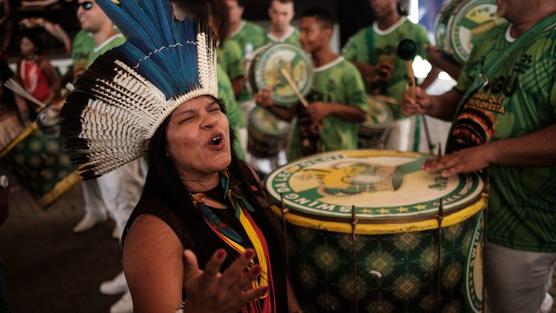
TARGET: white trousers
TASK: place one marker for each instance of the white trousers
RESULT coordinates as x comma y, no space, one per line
115,193
516,281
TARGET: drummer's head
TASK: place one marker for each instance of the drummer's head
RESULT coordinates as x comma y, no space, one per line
213,11
235,10
316,27
281,14
383,8
193,141
91,17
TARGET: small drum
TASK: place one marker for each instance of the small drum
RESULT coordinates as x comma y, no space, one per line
364,236
264,70
458,22
38,160
267,134
374,131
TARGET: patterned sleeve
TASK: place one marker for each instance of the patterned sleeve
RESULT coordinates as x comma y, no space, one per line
355,88
356,48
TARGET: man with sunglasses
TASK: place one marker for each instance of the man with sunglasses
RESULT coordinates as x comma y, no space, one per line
117,192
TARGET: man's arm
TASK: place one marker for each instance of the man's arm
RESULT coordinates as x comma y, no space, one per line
264,99
319,110
443,106
536,149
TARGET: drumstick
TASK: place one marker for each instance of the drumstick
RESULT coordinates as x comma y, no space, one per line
407,51
19,90
293,86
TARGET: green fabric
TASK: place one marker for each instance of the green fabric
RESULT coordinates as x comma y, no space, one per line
230,58
520,99
83,46
339,83
250,37
385,50
292,39
112,42
226,94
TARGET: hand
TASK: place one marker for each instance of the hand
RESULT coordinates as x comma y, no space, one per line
384,72
420,105
264,97
212,291
435,57
317,111
463,161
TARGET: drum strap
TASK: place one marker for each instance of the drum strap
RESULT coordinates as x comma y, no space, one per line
490,69
370,38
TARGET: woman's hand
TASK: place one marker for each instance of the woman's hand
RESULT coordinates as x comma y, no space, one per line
214,291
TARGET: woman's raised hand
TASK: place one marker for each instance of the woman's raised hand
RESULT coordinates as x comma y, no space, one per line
211,290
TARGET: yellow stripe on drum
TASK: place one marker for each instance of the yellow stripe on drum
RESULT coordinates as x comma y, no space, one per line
387,228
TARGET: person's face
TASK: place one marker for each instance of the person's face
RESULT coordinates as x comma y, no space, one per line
236,12
90,16
198,138
382,8
281,14
313,34
26,47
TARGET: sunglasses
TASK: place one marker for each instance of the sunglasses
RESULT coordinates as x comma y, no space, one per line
86,5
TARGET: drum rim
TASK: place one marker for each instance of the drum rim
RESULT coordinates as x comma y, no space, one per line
279,100
385,226
377,220
453,35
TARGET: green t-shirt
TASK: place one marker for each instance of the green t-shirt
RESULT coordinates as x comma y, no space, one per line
291,37
230,58
83,46
520,99
338,82
226,94
384,50
110,43
250,36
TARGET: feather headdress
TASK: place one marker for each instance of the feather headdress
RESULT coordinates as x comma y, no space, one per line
124,96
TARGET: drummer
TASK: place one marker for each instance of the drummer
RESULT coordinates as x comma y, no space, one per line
248,35
373,50
338,102
281,13
506,124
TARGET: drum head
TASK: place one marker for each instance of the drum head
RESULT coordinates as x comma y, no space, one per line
383,186
264,122
474,18
380,115
265,71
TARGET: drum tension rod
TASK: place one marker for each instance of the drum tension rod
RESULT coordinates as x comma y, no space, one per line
284,211
354,222
439,217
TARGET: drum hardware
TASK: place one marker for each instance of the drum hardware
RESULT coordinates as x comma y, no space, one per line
439,218
354,222
485,196
284,211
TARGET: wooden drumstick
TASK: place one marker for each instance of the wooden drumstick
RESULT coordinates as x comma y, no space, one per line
407,51
293,86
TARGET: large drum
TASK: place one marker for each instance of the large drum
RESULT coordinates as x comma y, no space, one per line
264,71
267,134
390,255
37,159
374,131
458,22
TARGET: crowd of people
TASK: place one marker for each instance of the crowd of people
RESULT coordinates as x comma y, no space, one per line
195,226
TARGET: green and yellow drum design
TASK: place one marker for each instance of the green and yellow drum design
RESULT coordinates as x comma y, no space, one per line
460,21
267,134
397,233
374,131
264,71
